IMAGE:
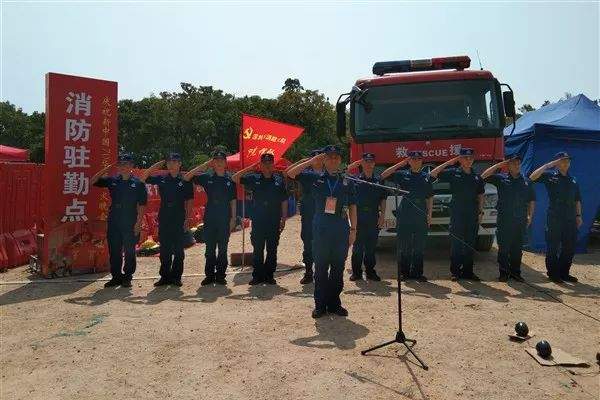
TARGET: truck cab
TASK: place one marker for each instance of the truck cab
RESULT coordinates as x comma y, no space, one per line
436,106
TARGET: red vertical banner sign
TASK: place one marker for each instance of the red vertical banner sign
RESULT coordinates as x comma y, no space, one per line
261,135
80,139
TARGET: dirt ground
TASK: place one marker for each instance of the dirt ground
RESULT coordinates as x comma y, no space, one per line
73,339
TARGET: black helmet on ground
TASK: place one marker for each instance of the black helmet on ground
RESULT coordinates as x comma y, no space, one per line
543,349
521,329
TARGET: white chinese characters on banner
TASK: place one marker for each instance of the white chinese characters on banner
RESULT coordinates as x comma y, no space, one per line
401,151
77,130
81,103
76,183
75,211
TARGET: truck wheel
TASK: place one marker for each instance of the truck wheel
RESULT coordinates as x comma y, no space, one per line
484,243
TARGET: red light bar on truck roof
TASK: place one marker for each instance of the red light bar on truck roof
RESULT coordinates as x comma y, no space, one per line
429,64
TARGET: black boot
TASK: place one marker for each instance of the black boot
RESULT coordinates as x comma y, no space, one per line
113,282
161,282
126,282
207,281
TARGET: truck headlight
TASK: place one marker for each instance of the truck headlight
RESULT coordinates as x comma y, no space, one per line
490,200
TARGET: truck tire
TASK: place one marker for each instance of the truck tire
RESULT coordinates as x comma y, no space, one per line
484,243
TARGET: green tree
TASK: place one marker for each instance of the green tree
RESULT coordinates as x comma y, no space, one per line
292,84
18,129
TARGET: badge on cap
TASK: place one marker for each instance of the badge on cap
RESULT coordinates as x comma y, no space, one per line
368,156
465,151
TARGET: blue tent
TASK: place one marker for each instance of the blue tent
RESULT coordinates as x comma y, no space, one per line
572,125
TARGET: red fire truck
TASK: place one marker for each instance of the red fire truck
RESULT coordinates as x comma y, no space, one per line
437,106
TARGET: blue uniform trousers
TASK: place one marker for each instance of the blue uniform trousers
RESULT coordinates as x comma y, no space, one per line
330,249
306,234
363,250
561,236
216,238
121,240
412,233
463,226
264,236
510,236
170,235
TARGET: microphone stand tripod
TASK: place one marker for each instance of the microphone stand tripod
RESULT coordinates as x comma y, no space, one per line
400,336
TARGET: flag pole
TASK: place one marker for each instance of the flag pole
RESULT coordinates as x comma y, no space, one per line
243,195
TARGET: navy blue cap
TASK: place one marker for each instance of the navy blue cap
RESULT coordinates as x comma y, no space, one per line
173,156
465,151
368,156
561,154
267,158
415,154
125,158
332,148
514,156
219,154
315,152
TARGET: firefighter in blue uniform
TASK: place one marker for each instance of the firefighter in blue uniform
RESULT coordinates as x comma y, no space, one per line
176,197
219,216
334,229
516,202
307,211
414,215
467,190
128,202
370,205
564,216
269,211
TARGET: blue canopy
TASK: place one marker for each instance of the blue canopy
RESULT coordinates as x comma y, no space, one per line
572,125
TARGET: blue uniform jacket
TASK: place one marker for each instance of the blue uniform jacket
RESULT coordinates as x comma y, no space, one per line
326,185
267,196
174,192
514,195
465,189
306,180
563,193
368,198
220,190
420,188
125,196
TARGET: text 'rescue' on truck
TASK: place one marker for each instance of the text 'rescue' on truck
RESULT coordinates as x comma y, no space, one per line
437,106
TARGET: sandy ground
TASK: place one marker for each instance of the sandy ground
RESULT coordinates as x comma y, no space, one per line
69,339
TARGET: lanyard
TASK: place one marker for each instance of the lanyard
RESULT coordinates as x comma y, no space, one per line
332,189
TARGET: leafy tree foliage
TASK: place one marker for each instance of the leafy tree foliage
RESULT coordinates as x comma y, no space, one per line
192,121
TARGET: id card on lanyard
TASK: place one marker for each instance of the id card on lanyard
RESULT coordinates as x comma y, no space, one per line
330,201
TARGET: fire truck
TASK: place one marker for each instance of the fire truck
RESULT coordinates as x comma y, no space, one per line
435,105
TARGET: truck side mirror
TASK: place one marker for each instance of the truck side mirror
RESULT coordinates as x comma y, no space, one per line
340,109
509,104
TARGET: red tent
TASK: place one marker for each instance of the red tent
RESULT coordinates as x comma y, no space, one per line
233,162
8,153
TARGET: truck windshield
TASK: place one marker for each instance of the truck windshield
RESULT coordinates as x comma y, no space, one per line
429,110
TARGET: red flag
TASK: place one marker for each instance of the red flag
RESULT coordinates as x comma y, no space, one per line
261,135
